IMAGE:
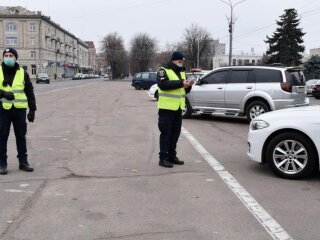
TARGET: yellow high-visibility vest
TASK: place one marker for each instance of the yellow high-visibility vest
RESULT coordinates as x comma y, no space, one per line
172,99
17,89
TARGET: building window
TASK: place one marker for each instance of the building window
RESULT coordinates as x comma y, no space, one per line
11,41
32,27
33,54
234,62
11,27
33,69
32,41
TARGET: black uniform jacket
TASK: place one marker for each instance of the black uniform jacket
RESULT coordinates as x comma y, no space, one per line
163,81
9,73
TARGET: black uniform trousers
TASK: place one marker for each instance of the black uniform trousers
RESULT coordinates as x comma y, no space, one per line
18,119
169,124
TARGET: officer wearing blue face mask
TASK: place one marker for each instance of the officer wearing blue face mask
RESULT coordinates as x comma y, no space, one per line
16,95
172,88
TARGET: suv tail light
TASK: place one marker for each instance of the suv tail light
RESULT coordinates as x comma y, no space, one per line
287,87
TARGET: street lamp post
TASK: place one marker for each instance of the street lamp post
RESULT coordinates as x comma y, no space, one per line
198,54
231,22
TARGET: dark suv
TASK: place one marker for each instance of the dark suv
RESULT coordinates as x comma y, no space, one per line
144,80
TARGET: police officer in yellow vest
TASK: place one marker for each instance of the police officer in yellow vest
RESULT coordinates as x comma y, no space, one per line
172,88
16,94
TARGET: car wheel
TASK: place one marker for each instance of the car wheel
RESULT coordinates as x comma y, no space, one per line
48,82
186,113
317,97
137,86
291,155
255,109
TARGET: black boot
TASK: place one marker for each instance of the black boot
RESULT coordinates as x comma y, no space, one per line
165,163
3,171
24,166
177,161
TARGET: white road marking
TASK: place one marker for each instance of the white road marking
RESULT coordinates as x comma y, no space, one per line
16,191
264,218
62,89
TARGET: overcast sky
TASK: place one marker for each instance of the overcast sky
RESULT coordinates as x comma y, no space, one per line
166,20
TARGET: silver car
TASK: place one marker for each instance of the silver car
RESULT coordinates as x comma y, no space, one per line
247,91
310,84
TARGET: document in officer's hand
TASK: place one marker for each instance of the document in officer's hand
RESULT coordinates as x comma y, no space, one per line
191,82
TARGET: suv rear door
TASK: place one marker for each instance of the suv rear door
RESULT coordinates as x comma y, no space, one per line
209,93
240,83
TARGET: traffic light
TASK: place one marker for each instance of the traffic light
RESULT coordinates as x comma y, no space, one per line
230,27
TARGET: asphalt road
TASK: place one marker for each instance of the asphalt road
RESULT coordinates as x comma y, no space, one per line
94,146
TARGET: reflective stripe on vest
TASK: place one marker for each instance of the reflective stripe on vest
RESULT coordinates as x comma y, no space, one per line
172,99
17,89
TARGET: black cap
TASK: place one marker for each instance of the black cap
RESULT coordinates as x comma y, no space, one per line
177,56
11,50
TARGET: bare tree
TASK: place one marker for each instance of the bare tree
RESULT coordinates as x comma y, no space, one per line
197,39
143,49
113,49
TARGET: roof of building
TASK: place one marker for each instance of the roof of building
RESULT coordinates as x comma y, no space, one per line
20,12
90,44
15,10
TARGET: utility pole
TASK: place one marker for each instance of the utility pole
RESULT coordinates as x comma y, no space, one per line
231,24
198,54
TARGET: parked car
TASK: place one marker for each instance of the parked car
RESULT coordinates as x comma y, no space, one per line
144,80
42,77
196,74
247,91
316,90
310,84
288,140
78,76
153,91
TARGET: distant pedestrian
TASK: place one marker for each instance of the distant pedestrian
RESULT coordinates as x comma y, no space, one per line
16,95
55,76
173,86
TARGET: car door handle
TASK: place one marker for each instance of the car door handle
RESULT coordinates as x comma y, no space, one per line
249,87
220,88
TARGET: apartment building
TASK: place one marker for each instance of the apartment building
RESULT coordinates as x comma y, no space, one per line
42,44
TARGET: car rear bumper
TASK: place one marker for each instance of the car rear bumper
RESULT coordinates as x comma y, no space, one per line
287,103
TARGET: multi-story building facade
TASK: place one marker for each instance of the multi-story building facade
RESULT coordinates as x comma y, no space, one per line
237,59
92,62
42,45
315,51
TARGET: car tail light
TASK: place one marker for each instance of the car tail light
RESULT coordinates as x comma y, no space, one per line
287,87
313,88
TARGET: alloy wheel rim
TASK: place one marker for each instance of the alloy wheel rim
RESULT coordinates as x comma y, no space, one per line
256,110
290,157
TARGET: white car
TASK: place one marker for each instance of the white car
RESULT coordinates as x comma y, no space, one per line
288,140
310,84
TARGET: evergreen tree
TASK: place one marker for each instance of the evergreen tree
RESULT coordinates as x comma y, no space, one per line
285,45
312,67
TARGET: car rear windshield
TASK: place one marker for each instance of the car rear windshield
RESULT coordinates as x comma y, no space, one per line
295,77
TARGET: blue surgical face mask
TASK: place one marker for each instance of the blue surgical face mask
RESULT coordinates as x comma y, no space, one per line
9,62
179,65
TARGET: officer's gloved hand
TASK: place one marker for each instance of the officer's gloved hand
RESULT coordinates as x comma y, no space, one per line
8,95
31,116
